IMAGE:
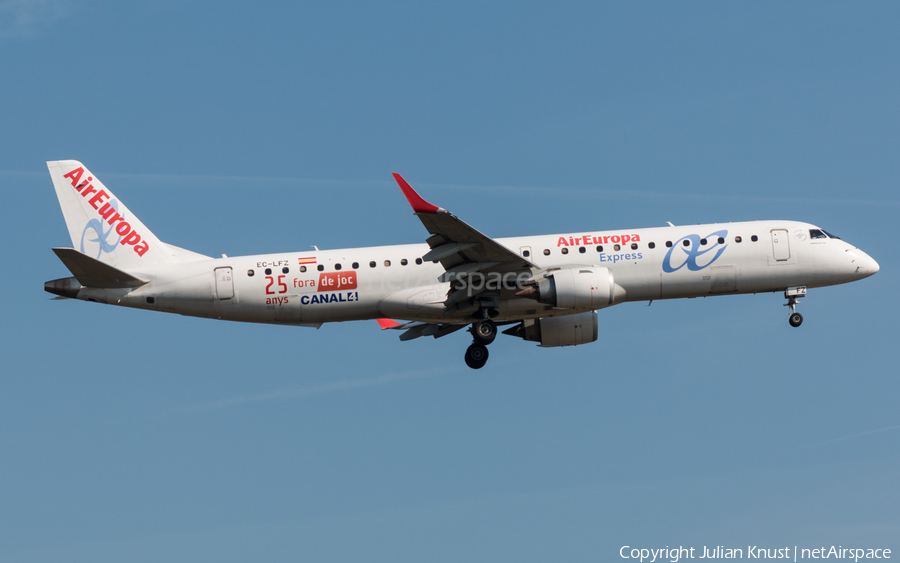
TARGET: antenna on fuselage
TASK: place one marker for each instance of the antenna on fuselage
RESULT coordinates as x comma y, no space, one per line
670,223
316,247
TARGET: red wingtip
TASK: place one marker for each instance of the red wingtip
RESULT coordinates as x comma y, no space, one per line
387,323
419,205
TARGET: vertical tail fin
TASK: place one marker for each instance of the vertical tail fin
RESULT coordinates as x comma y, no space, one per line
100,225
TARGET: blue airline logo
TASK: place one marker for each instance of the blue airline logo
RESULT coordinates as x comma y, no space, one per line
694,255
102,236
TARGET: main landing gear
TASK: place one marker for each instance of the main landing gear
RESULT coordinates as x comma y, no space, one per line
483,333
793,295
476,355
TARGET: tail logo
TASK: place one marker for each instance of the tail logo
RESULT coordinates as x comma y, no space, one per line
102,236
108,210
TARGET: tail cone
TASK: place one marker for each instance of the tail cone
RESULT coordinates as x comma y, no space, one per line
65,287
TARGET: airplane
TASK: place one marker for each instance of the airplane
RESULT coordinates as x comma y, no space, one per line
546,288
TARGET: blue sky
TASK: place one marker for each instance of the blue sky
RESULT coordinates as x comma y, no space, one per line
246,128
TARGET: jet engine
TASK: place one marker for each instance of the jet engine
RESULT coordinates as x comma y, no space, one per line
566,330
576,288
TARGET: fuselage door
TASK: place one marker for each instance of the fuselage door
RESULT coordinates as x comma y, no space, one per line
722,279
781,246
224,283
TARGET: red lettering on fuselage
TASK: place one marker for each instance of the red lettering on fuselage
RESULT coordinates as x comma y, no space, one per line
587,239
337,281
107,211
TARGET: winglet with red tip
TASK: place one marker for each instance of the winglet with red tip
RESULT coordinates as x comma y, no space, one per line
387,323
418,204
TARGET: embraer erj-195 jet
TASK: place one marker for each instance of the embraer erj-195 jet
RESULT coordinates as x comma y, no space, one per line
546,287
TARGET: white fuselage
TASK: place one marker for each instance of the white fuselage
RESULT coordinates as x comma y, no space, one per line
393,281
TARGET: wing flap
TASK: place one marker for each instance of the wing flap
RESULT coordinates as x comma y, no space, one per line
463,269
462,243
449,249
430,329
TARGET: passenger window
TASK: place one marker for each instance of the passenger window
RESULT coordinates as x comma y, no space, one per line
387,263
372,264
302,268
546,252
564,250
721,240
599,249
686,242
320,267
581,249
754,238
356,265
285,270
617,248
418,261
337,266
403,262
526,253
737,239
668,244
268,271
250,273
634,246
651,245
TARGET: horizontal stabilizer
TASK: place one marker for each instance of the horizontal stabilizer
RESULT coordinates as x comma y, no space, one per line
91,272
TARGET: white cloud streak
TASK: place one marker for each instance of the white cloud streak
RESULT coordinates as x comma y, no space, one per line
323,388
23,19
579,194
858,435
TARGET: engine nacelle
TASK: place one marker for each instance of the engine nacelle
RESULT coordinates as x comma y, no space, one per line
566,330
577,288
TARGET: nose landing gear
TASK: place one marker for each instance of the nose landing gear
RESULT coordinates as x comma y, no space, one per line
793,295
483,332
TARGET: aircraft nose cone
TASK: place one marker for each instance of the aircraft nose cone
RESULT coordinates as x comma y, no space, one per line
867,265
874,267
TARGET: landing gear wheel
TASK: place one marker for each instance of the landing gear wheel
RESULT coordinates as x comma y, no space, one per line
484,331
793,295
476,356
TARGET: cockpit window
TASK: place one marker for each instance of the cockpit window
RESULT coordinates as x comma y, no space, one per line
821,233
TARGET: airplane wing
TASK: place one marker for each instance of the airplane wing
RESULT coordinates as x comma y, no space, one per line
415,329
461,250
